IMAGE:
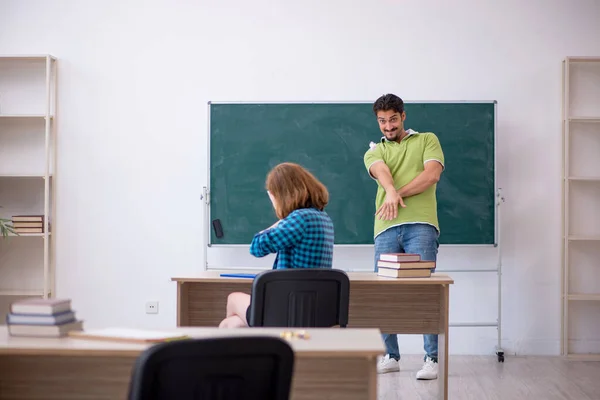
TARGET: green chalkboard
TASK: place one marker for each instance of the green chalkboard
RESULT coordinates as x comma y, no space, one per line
329,139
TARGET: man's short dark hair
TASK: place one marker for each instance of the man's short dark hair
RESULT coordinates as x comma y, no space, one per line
388,102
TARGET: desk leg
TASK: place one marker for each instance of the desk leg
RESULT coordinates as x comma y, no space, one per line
443,342
372,368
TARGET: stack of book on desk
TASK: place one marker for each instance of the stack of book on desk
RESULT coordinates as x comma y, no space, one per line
42,318
404,265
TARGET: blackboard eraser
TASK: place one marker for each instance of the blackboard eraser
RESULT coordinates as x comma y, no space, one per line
218,228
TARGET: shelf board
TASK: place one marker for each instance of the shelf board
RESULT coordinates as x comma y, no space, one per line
585,178
23,176
584,237
584,119
583,357
583,297
16,292
29,234
25,116
24,57
583,59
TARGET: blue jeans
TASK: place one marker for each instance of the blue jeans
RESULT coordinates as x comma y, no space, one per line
420,239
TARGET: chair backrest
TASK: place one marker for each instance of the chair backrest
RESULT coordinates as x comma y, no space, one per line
241,368
307,297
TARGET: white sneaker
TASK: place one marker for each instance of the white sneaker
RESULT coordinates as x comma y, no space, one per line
387,364
429,370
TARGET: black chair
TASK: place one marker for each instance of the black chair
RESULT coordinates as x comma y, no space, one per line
300,298
240,368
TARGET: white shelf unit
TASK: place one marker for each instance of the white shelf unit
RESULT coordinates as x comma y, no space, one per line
28,86
581,208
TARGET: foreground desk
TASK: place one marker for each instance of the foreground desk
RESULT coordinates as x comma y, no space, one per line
405,306
332,364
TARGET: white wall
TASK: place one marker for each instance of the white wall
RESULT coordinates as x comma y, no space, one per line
135,78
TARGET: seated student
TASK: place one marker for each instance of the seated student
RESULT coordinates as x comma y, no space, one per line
302,237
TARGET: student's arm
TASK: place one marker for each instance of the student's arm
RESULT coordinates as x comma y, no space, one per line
272,226
286,233
379,170
433,157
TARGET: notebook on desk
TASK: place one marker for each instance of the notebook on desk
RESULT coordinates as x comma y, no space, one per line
129,335
239,275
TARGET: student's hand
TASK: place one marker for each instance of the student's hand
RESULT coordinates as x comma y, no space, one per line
389,208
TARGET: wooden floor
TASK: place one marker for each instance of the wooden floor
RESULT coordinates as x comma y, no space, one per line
484,378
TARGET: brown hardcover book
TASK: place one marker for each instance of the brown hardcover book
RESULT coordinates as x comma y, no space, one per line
404,273
28,224
407,265
399,257
28,218
29,230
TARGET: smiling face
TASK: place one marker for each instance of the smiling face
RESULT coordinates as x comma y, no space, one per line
389,110
391,124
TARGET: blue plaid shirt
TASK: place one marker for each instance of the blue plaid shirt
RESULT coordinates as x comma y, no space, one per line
303,239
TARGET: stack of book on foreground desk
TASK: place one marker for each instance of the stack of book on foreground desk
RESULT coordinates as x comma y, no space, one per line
42,318
404,265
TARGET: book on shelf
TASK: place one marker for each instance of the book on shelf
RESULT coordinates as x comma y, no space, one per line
28,223
19,229
42,318
28,218
404,265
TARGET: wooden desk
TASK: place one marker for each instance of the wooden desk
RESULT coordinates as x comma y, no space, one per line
405,306
332,364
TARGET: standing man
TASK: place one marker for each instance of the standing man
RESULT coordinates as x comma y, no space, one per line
407,166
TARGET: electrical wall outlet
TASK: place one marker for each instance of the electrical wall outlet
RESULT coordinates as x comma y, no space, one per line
152,307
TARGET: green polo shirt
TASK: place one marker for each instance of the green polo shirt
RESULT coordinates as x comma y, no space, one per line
406,160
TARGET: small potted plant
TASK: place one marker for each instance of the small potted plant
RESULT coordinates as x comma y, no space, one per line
6,227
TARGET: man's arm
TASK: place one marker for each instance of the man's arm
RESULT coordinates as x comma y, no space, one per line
430,176
381,172
434,165
389,208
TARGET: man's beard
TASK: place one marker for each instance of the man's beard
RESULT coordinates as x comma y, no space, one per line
392,135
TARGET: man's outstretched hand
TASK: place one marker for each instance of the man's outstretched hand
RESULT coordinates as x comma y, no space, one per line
389,208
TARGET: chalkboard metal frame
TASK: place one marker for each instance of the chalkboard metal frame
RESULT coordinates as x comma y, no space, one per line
206,189
499,199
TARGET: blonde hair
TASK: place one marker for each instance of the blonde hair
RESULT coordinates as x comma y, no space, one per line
293,187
